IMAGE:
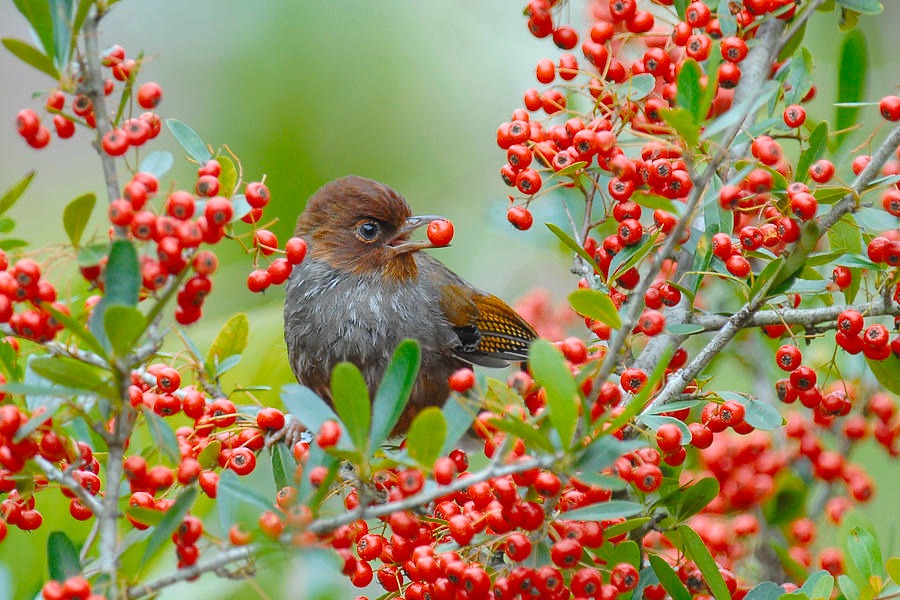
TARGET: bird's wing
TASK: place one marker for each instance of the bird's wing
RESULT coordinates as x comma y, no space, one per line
490,332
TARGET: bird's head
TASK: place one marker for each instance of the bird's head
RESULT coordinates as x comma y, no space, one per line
361,226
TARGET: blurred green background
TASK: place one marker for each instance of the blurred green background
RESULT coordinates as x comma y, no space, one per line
407,92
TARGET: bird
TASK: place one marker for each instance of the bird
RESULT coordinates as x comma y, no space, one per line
365,286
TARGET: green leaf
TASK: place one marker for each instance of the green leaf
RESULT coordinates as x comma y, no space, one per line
172,520
817,143
79,331
352,403
10,196
228,176
796,258
283,465
696,550
857,262
61,14
799,78
767,590
231,340
31,56
653,201
690,93
189,140
69,372
893,568
655,421
566,239
304,404
603,511
682,121
603,452
727,22
669,579
697,497
865,553
887,372
394,391
625,526
122,280
852,70
459,419
76,216
125,325
550,371
817,586
37,13
684,328
62,557
638,87
762,415
162,434
845,235
597,306
865,7
848,587
532,437
631,255
789,502
426,436
157,163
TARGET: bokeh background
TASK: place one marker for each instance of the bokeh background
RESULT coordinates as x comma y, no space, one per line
405,91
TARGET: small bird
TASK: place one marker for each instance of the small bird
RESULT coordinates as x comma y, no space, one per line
364,287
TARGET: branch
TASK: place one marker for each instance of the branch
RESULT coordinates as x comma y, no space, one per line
64,478
807,317
223,559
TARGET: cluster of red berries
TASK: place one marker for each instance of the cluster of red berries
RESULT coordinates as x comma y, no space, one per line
18,447
73,588
21,285
132,132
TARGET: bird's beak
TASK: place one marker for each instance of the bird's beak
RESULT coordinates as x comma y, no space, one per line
401,244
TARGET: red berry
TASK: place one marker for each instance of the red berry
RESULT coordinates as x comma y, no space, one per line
149,95
115,142
520,217
788,357
889,106
265,241
258,281
257,194
440,232
329,434
462,380
27,123
794,116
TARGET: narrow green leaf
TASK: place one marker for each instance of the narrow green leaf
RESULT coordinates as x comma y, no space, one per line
597,306
696,550
79,331
856,262
845,235
749,105
228,177
762,415
62,557
625,526
125,325
887,372
157,163
10,196
638,87
231,340
603,452
690,93
852,69
631,255
653,201
684,328
799,78
61,16
697,497
656,421
172,520
231,485
147,516
122,280
817,143
789,502
426,436
459,419
532,437
306,406
566,239
31,56
682,121
865,7
37,13
76,216
550,371
209,456
393,393
603,511
818,586
189,140
6,583
352,403
865,553
796,259
69,372
283,465
668,578
84,6
162,434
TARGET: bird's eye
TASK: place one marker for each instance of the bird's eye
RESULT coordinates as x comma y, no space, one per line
368,231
